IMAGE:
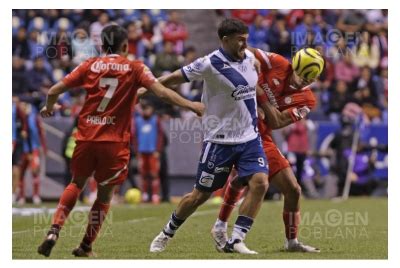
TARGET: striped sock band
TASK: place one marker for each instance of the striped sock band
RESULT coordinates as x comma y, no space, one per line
241,228
172,226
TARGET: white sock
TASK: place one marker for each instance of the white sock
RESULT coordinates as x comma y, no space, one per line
221,224
293,241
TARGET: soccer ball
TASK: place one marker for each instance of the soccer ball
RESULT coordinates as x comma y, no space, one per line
133,196
308,63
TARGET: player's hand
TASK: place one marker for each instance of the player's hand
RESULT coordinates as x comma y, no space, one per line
46,112
198,108
141,92
301,112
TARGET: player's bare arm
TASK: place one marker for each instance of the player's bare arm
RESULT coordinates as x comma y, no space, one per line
275,118
167,80
170,96
52,97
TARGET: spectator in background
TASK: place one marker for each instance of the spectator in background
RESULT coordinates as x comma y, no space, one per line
345,69
59,48
366,51
351,21
151,40
82,46
134,39
96,28
36,45
148,143
20,45
258,34
245,15
279,37
39,79
305,33
338,99
175,31
338,50
166,61
19,77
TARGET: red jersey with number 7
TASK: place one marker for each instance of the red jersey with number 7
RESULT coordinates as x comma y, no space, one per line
111,83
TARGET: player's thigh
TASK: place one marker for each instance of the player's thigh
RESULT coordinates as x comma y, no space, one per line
285,181
83,160
252,162
276,160
112,163
216,161
105,193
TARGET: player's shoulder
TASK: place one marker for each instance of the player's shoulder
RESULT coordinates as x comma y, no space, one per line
270,59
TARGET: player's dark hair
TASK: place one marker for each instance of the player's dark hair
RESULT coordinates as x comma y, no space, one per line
232,26
112,38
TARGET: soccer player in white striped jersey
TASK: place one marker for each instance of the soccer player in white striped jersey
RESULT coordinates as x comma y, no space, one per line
230,133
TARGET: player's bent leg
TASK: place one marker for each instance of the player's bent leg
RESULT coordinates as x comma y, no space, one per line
97,216
219,232
186,207
66,204
258,185
286,182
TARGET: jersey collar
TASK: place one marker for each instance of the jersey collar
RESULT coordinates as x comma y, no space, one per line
226,55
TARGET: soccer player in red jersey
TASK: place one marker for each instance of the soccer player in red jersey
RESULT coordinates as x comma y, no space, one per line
287,88
104,124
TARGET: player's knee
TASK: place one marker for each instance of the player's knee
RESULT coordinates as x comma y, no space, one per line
259,184
295,192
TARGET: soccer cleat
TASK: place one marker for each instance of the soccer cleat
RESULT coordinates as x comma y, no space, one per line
83,250
36,200
295,246
160,242
220,237
237,247
49,242
21,201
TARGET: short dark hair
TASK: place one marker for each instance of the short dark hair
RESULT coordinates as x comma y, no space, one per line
112,37
232,26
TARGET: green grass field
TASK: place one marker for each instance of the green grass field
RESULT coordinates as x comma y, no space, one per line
353,229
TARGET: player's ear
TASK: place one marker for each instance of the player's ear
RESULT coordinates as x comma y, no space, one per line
124,47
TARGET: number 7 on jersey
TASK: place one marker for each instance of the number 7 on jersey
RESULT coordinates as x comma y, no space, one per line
112,84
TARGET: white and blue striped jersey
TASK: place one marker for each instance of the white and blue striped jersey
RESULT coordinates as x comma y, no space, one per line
229,96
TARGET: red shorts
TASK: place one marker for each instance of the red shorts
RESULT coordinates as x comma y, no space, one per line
108,160
148,164
276,160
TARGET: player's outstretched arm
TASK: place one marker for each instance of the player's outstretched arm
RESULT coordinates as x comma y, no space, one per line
276,119
167,80
172,79
52,97
170,96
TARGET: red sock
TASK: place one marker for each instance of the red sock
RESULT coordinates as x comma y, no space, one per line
231,196
291,220
96,217
66,204
36,185
155,186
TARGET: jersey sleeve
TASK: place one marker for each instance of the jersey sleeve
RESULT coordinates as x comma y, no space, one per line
76,77
301,101
145,77
196,70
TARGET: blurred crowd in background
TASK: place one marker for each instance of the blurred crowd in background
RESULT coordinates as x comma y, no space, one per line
48,44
